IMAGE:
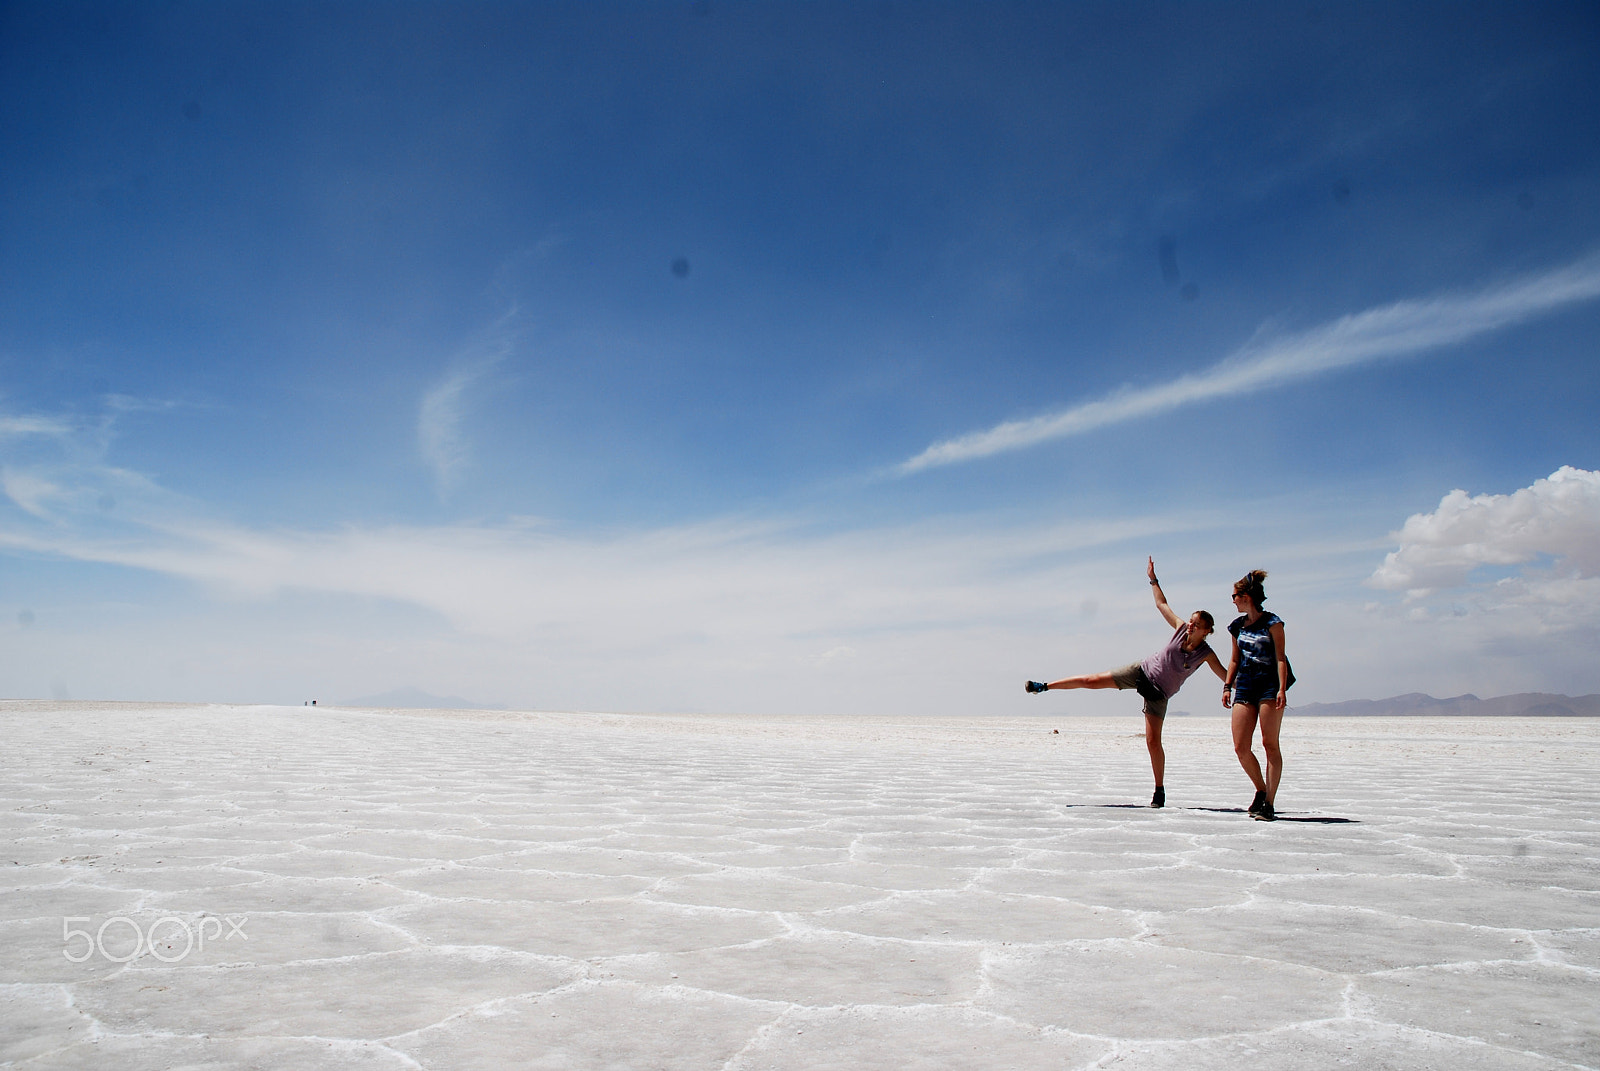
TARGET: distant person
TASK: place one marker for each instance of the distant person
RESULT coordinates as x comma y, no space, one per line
1158,678
1257,688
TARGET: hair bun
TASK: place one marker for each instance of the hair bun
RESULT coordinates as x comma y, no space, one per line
1250,584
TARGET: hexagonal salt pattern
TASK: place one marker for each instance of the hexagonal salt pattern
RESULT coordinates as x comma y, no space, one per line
225,887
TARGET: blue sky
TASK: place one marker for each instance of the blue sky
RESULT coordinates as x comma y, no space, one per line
792,357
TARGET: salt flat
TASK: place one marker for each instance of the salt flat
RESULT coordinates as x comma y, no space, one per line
484,890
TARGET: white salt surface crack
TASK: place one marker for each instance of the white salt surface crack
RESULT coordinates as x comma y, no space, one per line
565,891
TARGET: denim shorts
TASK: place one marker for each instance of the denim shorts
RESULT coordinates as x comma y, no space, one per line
1255,690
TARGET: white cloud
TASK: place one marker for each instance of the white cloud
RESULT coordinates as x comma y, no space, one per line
1401,329
1556,518
440,436
755,614
21,426
748,615
732,614
31,493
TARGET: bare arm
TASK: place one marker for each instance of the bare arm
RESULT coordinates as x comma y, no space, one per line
1216,666
1233,671
1283,665
1160,596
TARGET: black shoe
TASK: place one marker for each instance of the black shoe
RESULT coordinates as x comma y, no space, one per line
1160,798
1259,802
1265,814
1034,687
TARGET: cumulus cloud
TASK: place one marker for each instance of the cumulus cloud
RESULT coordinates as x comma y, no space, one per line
1402,329
1556,520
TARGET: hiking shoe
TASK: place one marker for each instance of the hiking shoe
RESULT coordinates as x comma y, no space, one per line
1265,814
1256,804
1160,798
1034,687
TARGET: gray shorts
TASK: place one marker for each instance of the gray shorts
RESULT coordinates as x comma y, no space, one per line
1155,704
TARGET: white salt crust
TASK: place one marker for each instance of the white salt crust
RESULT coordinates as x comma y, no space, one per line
569,891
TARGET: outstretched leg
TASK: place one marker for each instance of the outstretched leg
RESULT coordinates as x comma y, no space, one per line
1087,680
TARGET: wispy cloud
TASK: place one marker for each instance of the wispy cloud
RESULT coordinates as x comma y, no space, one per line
782,613
439,426
736,613
1402,329
440,436
774,614
22,426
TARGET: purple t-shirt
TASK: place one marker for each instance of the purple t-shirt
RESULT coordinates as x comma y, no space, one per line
1169,667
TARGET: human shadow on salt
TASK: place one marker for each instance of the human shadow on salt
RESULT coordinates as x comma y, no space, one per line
1322,819
1319,818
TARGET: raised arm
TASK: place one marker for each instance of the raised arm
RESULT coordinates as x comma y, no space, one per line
1161,596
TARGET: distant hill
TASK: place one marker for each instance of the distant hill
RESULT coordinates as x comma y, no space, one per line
413,698
1523,704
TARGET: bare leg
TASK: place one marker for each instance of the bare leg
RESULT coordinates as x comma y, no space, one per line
1271,722
1244,728
1158,754
1088,680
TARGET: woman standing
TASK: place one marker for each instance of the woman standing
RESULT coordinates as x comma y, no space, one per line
1257,688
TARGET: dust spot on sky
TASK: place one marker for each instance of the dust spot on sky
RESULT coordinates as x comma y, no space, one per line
680,267
1341,191
1189,292
25,618
1167,252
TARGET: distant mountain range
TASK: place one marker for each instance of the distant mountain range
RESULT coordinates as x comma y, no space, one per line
1523,704
413,698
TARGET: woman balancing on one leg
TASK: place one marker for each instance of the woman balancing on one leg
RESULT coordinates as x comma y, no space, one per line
1257,688
1158,677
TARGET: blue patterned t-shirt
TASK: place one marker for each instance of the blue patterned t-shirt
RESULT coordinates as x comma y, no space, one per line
1258,655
